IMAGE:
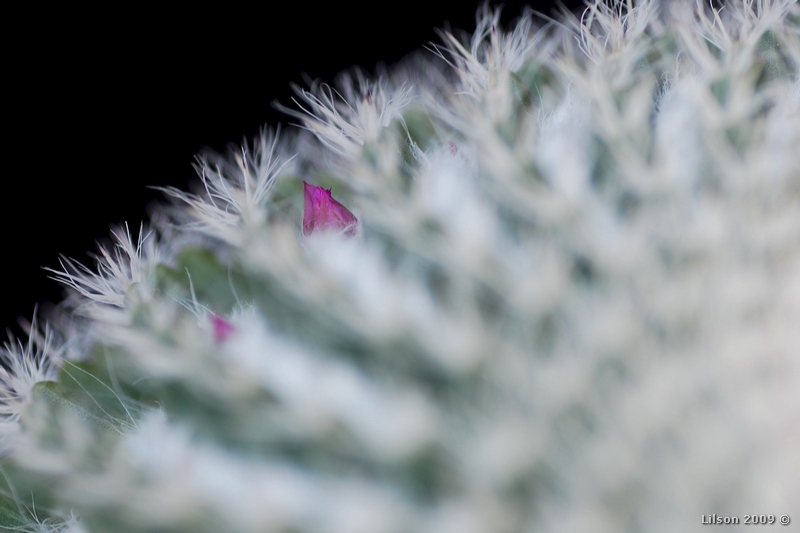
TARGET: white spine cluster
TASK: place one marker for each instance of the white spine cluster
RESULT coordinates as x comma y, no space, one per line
571,304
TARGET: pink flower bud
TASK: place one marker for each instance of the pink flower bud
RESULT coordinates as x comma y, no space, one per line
321,212
221,328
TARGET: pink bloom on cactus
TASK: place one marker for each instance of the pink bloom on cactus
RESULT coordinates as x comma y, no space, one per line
221,328
321,212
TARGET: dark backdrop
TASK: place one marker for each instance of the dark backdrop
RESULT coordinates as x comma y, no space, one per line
106,103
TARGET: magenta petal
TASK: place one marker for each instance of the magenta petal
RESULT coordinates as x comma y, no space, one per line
321,212
221,328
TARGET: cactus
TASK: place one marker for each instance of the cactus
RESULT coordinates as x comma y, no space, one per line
538,280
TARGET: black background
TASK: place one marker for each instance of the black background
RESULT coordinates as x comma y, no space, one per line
101,104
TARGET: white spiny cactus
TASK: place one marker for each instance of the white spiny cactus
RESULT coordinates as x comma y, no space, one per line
546,279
